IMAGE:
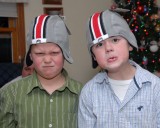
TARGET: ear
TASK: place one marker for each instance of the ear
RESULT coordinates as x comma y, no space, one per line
30,56
93,56
130,48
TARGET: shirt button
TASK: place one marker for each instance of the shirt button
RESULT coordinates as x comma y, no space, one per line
51,100
50,125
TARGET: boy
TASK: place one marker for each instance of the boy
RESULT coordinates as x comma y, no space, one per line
124,95
48,97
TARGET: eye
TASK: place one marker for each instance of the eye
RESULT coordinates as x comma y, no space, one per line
55,53
115,40
99,44
39,53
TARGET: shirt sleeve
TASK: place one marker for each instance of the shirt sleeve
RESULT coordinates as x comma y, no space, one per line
6,109
156,93
86,118
158,109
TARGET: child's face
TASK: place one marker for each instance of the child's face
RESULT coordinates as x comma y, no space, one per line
47,59
112,54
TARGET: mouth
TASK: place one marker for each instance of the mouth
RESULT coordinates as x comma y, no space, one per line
48,66
112,59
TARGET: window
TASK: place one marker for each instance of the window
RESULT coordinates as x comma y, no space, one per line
12,37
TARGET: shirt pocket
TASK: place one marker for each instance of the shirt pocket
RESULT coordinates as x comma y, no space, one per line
140,115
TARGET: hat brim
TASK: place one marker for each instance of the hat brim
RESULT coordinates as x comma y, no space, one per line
28,59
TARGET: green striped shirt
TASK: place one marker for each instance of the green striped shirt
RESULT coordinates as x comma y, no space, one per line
25,104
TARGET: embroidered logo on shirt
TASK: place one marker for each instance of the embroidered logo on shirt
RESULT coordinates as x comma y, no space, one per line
140,108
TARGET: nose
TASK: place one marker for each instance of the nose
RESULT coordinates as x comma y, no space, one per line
108,46
47,58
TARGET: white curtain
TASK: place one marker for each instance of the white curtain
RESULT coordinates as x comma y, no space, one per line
8,10
14,1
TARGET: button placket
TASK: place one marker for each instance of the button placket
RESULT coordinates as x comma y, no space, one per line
51,100
50,125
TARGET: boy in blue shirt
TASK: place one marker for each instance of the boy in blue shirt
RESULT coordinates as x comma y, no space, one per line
123,95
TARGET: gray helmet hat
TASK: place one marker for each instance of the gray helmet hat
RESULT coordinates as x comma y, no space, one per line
107,24
49,28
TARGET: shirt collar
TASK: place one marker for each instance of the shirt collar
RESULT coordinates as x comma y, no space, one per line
140,79
34,83
68,83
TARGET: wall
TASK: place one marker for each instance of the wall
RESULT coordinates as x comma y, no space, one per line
76,12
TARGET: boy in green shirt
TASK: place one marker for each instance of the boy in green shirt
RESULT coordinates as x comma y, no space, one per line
48,97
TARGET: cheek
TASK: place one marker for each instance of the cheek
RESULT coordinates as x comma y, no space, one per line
99,56
59,60
123,53
36,61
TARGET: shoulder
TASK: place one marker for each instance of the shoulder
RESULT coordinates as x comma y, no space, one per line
75,82
74,85
16,86
15,79
96,83
144,77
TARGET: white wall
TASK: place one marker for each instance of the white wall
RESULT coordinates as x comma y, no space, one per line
77,13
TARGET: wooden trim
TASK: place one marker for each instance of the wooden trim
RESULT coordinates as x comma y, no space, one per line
7,29
21,31
52,2
15,51
53,11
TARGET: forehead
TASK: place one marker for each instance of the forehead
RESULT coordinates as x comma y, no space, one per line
45,46
115,37
110,39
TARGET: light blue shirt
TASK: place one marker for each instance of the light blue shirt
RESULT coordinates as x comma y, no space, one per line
99,107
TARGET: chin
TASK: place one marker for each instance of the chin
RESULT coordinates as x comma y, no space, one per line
49,77
112,68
